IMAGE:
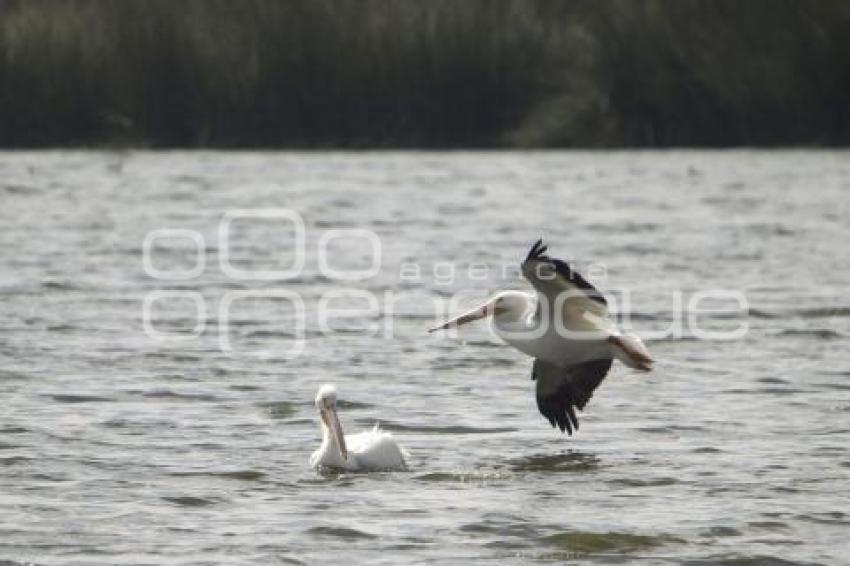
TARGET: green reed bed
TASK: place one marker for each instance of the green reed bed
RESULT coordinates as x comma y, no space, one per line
424,73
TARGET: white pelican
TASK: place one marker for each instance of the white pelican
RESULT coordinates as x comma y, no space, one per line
566,329
370,450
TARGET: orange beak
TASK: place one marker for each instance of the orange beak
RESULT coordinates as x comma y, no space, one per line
331,420
475,314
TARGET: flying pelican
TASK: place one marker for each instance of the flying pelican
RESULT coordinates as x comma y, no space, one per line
566,329
370,450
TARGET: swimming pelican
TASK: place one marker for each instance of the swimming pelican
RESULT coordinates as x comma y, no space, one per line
566,329
370,450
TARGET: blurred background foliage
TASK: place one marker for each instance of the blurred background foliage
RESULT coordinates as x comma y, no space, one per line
424,73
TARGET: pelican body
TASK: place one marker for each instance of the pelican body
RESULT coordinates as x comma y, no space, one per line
565,327
366,451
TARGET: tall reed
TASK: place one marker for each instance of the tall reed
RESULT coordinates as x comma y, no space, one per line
417,73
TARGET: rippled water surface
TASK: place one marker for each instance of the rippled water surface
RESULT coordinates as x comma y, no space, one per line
116,447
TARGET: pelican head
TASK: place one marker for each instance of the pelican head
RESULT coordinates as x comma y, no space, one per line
331,429
507,305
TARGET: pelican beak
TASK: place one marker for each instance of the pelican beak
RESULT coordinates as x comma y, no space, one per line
475,314
332,421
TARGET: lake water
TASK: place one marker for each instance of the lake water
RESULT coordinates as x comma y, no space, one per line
121,445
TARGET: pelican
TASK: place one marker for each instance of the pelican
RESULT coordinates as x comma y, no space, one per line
566,328
370,450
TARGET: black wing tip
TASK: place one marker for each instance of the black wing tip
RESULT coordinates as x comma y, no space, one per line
561,415
537,250
575,389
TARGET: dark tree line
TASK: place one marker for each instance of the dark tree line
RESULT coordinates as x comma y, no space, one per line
424,73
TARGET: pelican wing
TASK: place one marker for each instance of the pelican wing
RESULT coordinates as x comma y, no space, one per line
561,390
376,450
582,306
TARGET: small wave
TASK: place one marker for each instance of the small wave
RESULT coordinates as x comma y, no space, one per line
672,338
775,526
59,286
169,394
460,363
821,333
208,445
839,372
456,429
344,533
624,228
69,398
835,386
190,179
748,560
380,222
441,477
637,249
771,229
822,312
754,256
415,316
721,531
776,540
460,477
483,344
816,312
190,501
638,227
346,404
758,313
7,374
314,279
172,356
117,423
502,526
594,542
569,462
20,189
279,409
636,482
326,475
642,316
244,475
773,380
827,518
12,460
270,334
779,390
671,428
763,391
61,328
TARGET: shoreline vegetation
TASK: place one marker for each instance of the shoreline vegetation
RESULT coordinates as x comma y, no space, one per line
424,73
